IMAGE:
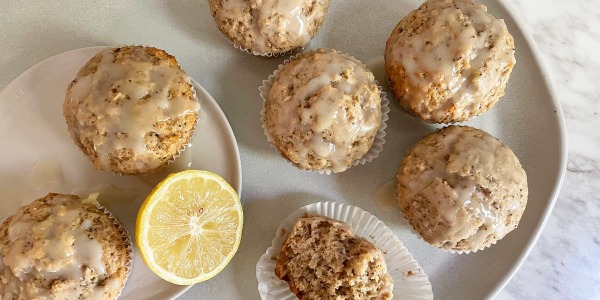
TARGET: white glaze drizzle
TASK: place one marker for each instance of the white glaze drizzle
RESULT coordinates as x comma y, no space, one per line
128,100
57,248
490,158
429,57
294,23
327,93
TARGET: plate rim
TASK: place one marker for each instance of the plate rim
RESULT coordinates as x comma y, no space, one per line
563,146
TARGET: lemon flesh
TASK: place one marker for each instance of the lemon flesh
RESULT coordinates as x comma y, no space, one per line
189,227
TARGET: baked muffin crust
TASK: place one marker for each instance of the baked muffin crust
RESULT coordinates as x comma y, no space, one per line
60,247
131,109
269,26
323,110
461,189
449,60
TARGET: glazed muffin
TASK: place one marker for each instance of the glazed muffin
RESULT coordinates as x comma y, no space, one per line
461,189
62,247
131,110
323,259
269,27
323,110
449,60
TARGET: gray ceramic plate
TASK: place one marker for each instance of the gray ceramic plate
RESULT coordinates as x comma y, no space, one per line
528,119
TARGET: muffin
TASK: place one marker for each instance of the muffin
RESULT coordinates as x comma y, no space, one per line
449,60
62,247
131,110
322,111
269,27
461,189
323,259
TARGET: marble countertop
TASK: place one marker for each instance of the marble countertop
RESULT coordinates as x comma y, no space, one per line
565,263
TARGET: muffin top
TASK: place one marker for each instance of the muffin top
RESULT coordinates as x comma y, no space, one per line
269,26
461,188
131,109
322,258
61,247
449,60
323,110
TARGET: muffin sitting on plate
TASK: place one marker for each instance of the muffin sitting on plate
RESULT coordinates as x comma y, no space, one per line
131,110
449,60
63,247
322,110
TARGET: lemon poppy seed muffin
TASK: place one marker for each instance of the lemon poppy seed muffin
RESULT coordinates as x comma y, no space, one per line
323,110
461,189
131,109
267,27
62,247
323,259
449,60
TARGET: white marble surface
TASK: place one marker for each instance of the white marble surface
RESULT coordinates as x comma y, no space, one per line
565,263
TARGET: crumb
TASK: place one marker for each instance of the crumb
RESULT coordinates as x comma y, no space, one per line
323,259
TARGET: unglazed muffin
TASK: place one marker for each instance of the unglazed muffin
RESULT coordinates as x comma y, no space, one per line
131,109
461,189
323,110
449,60
62,247
323,259
266,27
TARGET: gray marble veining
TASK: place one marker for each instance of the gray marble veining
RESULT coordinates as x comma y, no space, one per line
565,262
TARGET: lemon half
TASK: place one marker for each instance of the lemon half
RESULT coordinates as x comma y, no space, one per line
189,227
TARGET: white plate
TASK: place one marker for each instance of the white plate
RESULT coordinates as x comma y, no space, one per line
410,281
34,135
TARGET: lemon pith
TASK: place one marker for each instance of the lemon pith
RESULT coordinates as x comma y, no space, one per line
189,227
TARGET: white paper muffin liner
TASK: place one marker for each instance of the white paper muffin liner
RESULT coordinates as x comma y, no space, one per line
126,240
378,142
410,281
263,54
